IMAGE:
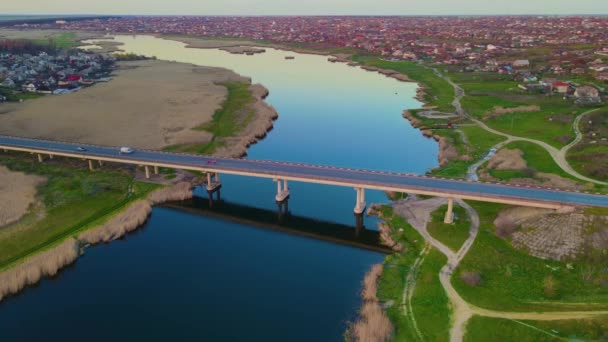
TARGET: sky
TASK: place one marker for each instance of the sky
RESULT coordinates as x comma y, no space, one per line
304,7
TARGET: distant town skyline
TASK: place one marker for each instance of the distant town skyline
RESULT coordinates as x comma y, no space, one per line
309,7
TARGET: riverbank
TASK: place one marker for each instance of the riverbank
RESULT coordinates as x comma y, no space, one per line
51,259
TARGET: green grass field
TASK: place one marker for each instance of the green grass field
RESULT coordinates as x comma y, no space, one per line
73,198
513,280
228,121
590,156
451,235
538,158
61,41
496,329
485,91
396,267
430,303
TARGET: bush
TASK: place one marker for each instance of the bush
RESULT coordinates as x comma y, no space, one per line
471,278
505,227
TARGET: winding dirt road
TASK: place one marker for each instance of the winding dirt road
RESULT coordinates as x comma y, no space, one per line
559,156
418,214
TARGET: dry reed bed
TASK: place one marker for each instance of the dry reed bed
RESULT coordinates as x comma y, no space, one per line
373,325
44,264
387,239
49,262
135,215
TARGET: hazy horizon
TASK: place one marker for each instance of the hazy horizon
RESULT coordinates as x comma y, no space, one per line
307,8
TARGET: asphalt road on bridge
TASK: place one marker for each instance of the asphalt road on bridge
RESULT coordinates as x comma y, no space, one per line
315,173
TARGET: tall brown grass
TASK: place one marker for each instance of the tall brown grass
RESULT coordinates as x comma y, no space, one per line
29,272
136,214
387,239
48,263
373,325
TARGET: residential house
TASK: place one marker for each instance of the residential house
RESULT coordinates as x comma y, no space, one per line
30,88
560,87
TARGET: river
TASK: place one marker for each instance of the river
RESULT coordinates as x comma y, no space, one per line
188,276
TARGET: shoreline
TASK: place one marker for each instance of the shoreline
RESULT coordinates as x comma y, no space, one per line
262,123
48,262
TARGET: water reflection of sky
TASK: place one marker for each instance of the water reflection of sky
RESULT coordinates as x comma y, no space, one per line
329,113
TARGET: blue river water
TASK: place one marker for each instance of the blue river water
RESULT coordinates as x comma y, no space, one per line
185,276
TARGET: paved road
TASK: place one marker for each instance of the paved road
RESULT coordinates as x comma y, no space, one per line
318,174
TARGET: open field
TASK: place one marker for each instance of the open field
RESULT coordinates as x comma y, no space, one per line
451,235
62,39
495,329
537,160
512,280
486,91
590,156
149,104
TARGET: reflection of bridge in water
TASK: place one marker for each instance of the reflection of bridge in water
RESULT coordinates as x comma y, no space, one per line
287,223
284,172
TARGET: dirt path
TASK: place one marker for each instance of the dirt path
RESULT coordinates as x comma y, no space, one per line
410,286
418,215
559,156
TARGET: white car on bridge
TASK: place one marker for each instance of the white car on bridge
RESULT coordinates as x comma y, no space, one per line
126,150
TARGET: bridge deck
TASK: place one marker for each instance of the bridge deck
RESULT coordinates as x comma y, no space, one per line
516,195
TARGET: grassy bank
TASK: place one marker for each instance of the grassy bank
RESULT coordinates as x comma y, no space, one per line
396,268
512,280
451,235
437,91
472,141
495,329
233,116
73,199
430,303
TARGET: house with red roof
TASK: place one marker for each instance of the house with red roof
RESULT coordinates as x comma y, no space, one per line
560,87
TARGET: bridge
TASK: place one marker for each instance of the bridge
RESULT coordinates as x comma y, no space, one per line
283,172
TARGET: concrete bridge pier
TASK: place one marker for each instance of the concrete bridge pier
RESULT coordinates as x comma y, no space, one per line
449,214
91,167
100,162
360,206
155,169
147,168
40,158
282,197
213,186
